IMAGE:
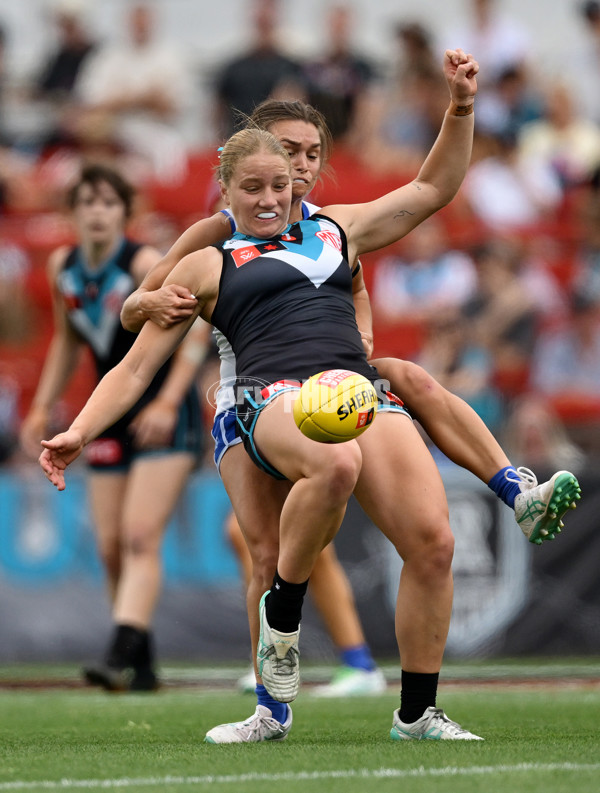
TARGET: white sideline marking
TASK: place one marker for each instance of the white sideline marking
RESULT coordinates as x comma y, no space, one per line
364,773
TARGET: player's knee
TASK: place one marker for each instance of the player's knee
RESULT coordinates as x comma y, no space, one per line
436,549
140,540
418,385
264,564
339,471
110,557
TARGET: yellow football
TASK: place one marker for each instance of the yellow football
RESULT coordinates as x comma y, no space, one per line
335,406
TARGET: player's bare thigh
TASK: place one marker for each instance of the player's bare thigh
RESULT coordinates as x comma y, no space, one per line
257,498
289,451
399,486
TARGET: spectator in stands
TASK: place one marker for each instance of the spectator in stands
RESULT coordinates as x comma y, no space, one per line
16,169
134,97
14,269
585,61
340,80
56,79
57,76
565,372
512,101
414,282
502,314
4,140
408,113
264,71
507,191
566,359
501,39
563,138
533,431
586,279
455,358
414,48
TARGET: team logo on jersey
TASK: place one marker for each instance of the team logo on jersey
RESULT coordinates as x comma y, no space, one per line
113,302
289,238
92,290
329,238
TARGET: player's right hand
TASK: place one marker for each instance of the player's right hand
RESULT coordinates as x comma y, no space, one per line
169,305
58,453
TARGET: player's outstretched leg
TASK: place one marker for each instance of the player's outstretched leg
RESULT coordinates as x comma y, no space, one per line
539,509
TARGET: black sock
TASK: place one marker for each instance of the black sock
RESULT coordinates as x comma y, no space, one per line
130,647
419,691
283,604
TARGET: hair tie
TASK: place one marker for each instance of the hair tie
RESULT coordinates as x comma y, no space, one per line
219,150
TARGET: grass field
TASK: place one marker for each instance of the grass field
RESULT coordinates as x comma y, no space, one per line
541,727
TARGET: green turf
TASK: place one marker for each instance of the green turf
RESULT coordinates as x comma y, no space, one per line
538,738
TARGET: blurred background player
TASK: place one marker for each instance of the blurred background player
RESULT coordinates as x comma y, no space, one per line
132,491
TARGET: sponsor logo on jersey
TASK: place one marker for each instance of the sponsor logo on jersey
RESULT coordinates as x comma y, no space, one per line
104,451
243,255
333,377
360,400
329,238
72,302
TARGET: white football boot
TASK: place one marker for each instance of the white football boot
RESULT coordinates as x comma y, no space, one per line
539,509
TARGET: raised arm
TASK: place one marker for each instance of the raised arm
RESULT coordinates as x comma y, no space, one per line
170,303
378,223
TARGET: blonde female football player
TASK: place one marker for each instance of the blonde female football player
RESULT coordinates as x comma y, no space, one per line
453,426
268,264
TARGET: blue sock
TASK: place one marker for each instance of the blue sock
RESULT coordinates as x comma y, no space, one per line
358,658
278,709
505,490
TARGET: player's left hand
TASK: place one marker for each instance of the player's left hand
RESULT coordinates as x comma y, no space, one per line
58,453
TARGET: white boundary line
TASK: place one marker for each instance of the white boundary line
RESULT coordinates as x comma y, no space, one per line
364,773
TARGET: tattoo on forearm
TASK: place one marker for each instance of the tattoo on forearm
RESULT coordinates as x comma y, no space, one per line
402,213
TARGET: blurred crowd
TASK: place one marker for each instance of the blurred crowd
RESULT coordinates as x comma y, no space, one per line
498,296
